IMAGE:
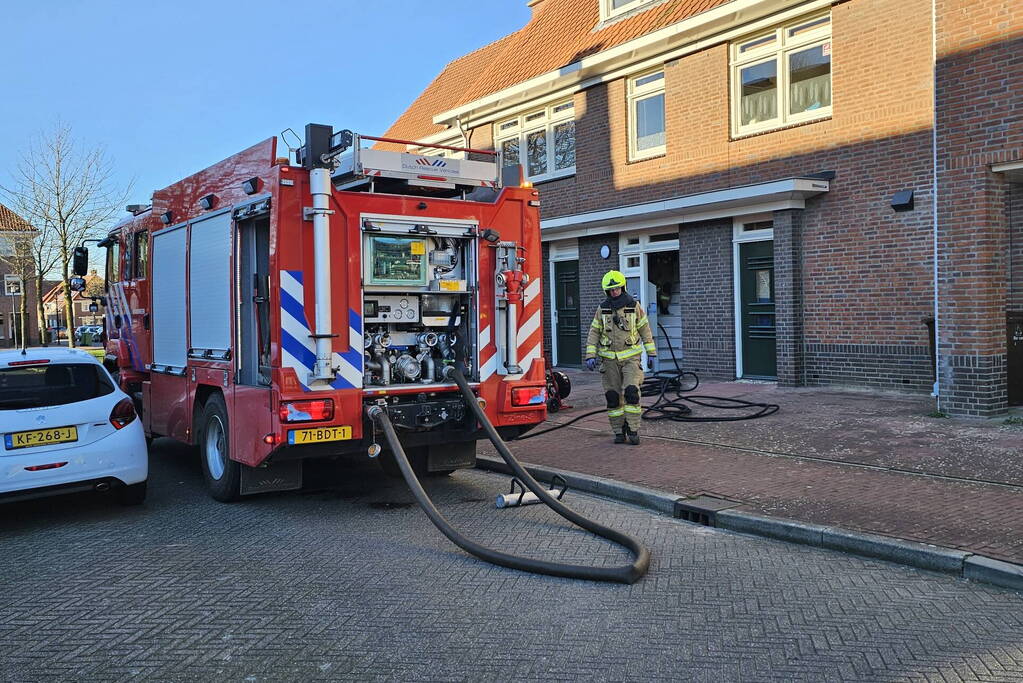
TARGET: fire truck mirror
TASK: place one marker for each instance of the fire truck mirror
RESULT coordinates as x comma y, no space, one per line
80,261
77,284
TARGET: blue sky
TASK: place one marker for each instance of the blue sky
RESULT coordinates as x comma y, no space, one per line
170,88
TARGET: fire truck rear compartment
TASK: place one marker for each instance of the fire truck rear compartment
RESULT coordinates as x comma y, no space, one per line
418,310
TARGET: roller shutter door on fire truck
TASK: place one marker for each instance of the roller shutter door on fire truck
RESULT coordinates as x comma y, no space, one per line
209,272
169,344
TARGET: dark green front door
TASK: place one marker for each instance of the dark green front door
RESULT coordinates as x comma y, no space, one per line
566,304
756,281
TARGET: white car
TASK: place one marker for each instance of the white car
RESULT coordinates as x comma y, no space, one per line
66,426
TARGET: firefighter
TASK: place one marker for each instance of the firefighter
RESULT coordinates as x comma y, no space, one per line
615,333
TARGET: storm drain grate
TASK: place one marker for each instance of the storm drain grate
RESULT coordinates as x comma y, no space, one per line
701,509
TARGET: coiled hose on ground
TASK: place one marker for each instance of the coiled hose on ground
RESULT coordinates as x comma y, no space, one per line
663,384
625,574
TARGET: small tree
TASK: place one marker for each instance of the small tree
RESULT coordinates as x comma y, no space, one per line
16,252
66,193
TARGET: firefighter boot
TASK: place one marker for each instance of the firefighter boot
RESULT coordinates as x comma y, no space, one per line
633,436
620,436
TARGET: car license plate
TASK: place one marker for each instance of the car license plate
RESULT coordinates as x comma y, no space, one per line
40,437
319,434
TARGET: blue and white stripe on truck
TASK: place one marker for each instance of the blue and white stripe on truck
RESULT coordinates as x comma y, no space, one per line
298,351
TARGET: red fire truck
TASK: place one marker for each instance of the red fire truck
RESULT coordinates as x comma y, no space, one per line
258,307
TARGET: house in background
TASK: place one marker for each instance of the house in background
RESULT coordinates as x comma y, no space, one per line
54,311
807,191
13,284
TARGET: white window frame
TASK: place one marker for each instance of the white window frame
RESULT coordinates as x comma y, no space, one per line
778,51
636,94
531,121
741,236
608,11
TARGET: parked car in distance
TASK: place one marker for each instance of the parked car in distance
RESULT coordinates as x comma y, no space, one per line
66,426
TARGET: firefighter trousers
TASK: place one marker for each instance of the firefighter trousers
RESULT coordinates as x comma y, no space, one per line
621,380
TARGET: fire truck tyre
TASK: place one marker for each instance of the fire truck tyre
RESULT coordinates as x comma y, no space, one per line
223,475
132,494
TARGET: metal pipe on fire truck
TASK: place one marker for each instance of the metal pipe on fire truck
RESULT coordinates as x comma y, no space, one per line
512,280
316,158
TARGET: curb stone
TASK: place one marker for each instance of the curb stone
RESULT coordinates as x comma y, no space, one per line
920,555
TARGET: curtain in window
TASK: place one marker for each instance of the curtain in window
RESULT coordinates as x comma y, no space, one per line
809,80
810,94
759,106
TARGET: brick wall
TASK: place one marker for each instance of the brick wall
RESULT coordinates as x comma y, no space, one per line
866,275
591,269
788,287
548,304
979,114
1014,218
708,315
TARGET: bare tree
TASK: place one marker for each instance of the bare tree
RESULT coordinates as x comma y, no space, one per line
66,192
16,251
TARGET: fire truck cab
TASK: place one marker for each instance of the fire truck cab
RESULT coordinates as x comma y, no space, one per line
258,307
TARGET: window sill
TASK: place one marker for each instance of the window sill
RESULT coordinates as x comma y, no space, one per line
790,126
639,160
551,178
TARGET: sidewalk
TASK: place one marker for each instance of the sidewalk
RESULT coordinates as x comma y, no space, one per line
865,461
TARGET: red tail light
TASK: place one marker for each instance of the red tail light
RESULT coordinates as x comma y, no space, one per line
123,414
29,362
306,411
528,396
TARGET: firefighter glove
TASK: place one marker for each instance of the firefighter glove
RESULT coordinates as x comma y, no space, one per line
591,364
649,362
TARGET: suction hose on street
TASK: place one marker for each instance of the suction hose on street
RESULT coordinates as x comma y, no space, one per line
625,574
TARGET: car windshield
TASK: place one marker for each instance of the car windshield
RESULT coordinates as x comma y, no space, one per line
39,386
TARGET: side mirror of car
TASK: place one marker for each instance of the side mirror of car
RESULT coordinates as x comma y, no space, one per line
77,284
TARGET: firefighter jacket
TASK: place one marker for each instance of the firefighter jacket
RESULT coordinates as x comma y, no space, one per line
621,333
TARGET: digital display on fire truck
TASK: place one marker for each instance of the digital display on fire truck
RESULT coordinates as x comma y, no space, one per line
397,261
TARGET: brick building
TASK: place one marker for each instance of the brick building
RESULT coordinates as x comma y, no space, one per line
822,192
16,278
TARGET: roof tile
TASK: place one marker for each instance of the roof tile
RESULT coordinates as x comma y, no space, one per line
560,33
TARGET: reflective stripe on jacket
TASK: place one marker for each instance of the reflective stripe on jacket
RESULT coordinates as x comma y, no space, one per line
621,334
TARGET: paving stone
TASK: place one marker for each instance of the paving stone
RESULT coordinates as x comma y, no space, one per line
352,582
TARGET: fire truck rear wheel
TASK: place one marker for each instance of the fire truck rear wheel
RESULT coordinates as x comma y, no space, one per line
222,474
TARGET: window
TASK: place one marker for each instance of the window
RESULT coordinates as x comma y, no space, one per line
52,385
113,273
783,76
542,140
646,116
612,8
140,255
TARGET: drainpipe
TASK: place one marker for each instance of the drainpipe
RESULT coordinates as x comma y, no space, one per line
320,188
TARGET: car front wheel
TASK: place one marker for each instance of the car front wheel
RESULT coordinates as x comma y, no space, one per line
222,474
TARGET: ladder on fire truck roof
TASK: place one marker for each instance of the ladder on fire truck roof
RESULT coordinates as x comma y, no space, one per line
358,166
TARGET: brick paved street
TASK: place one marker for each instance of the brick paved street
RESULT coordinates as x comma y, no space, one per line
859,460
352,582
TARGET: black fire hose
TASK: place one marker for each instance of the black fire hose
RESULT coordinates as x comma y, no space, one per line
626,574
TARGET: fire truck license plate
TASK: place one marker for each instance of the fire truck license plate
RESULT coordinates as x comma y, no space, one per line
300,436
40,437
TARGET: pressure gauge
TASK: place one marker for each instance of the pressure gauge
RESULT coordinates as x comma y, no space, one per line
403,303
410,314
